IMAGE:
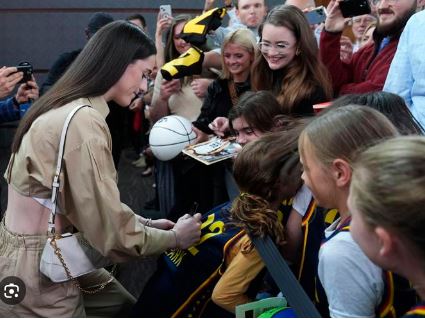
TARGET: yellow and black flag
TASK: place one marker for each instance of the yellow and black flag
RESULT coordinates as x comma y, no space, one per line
189,63
195,30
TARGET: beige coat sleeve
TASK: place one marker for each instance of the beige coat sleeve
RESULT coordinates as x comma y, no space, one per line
92,201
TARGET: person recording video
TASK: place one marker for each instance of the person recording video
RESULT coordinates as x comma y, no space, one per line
13,107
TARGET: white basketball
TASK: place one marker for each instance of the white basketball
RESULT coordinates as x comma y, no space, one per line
169,136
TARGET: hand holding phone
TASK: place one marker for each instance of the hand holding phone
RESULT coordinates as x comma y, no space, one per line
353,8
335,22
27,92
9,77
26,69
316,15
165,11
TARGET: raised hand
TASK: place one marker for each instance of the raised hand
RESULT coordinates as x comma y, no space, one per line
335,22
9,77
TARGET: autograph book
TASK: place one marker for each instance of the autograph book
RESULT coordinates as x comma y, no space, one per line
213,150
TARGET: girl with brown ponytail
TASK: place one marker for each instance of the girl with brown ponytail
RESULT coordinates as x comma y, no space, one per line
267,172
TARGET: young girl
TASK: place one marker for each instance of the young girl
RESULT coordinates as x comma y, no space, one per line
267,173
289,64
253,116
387,198
354,286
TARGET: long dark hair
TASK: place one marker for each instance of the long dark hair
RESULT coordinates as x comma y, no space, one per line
97,68
304,74
170,51
390,104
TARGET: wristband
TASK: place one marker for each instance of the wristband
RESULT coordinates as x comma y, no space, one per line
148,222
175,237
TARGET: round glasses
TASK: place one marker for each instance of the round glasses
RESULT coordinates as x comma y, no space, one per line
377,2
265,47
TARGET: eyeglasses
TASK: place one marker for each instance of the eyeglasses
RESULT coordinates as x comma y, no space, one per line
280,47
367,19
377,2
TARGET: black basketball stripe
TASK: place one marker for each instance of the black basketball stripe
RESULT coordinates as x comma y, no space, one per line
166,128
177,143
187,133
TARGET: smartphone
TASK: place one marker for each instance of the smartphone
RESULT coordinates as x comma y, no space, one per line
316,15
26,69
353,8
165,11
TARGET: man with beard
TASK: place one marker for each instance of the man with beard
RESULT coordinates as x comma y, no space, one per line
368,69
407,73
250,13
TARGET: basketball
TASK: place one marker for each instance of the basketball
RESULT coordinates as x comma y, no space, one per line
169,136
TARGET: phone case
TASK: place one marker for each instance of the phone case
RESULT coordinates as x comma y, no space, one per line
353,8
316,16
165,10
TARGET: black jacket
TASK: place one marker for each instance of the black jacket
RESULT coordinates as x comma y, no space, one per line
217,102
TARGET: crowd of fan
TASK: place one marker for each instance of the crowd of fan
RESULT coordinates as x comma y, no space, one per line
340,190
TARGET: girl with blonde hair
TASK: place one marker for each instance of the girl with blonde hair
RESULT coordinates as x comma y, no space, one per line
353,285
387,198
238,54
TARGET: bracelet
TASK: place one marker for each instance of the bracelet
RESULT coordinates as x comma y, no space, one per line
175,237
148,222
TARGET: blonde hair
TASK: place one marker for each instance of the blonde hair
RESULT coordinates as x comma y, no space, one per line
243,37
343,132
388,187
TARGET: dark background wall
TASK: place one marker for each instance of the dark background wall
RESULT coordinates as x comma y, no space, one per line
38,31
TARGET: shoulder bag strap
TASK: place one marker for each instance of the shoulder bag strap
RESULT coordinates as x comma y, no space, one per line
284,278
56,181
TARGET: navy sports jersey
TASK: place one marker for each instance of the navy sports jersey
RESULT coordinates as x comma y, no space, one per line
312,228
183,282
417,311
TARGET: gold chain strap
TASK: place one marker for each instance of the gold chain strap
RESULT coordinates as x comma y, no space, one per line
68,273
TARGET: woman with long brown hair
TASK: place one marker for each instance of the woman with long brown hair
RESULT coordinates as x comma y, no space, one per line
113,66
289,65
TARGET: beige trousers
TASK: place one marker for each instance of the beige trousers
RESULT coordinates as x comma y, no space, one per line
20,256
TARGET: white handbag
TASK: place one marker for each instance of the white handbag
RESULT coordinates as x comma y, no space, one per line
68,256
